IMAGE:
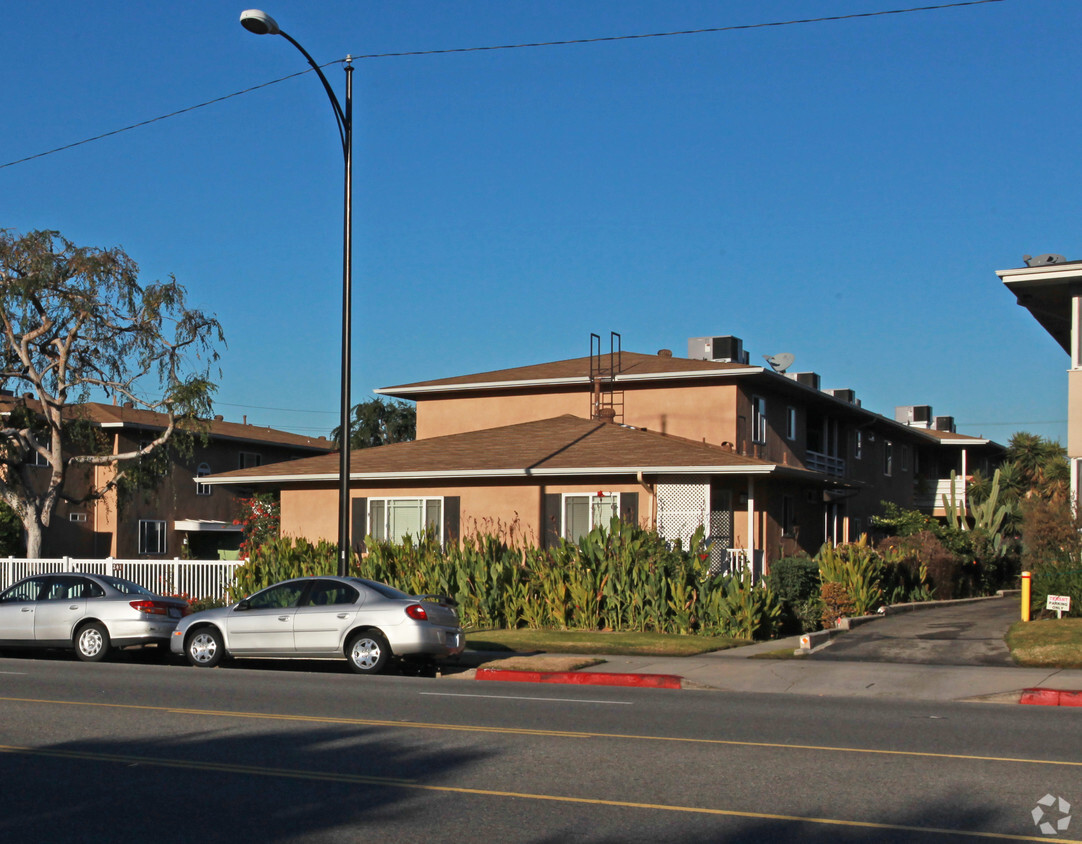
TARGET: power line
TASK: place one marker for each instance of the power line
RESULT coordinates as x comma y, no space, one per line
705,30
598,40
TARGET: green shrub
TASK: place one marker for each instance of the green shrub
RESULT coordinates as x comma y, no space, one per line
282,559
836,603
858,569
795,581
734,606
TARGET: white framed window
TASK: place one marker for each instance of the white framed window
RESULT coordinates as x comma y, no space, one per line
858,445
790,423
582,512
76,517
151,536
202,472
249,460
758,419
888,458
393,519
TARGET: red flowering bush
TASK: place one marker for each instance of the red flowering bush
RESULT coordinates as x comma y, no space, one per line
260,519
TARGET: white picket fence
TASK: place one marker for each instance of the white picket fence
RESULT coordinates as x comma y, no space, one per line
194,578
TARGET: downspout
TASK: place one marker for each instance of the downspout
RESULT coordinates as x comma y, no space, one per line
751,526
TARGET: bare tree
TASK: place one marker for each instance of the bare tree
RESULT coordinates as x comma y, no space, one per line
75,324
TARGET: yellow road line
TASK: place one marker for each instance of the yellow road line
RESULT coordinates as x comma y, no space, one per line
322,776
421,725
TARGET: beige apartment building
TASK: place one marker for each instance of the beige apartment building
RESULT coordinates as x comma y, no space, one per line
766,461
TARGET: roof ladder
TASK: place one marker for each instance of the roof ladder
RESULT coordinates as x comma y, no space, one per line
606,402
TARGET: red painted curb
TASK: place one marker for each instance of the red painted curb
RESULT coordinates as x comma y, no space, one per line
582,678
1051,697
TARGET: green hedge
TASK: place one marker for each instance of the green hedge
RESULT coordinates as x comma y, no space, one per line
616,578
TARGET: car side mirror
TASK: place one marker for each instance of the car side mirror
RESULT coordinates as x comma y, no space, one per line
243,605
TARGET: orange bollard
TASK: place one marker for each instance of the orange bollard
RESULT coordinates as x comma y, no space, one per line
1025,595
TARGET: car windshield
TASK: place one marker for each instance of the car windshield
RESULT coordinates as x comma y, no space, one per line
382,588
125,586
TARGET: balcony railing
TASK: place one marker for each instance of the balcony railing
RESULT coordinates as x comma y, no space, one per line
819,462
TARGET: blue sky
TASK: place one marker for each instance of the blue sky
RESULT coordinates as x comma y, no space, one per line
842,190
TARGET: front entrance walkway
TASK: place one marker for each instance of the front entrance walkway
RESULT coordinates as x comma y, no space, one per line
952,634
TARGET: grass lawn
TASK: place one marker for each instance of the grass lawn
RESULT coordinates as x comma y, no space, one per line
597,642
1048,643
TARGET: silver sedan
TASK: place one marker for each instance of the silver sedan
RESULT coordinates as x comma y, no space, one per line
366,622
90,613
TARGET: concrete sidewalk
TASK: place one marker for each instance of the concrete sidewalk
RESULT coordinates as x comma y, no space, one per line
738,670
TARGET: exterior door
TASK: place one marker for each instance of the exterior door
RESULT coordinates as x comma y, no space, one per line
720,539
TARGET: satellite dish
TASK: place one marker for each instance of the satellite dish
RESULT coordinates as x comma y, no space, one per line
780,362
1043,260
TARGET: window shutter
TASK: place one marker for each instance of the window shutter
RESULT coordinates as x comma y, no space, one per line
451,507
550,528
359,523
629,507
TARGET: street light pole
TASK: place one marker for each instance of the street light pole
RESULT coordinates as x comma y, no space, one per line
261,23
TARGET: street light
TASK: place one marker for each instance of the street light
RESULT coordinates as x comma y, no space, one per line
261,23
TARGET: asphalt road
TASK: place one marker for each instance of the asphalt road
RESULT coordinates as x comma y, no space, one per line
128,751
962,634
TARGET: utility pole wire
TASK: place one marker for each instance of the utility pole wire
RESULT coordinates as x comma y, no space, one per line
598,40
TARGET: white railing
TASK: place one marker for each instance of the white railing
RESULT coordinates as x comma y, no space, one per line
934,500
194,578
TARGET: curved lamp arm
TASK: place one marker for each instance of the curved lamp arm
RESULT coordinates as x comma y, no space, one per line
260,23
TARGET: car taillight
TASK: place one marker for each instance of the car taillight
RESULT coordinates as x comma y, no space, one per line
151,607
417,612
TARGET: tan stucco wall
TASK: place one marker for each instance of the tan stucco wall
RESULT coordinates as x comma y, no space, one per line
439,417
695,413
707,412
1074,413
313,513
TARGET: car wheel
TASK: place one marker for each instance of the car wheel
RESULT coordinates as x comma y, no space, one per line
92,642
368,652
205,648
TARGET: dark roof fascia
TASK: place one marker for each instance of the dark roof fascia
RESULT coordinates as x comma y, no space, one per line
631,472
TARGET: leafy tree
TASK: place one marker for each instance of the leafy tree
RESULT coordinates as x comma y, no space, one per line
75,323
1041,464
378,422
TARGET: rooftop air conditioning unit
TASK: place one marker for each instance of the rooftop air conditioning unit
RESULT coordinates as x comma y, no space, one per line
848,396
919,416
944,423
808,379
729,349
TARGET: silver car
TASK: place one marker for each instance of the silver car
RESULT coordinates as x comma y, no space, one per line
366,622
91,613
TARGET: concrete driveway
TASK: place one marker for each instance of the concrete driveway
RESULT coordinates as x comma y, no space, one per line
951,634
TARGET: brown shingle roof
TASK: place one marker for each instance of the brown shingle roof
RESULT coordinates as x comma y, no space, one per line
562,445
114,415
632,364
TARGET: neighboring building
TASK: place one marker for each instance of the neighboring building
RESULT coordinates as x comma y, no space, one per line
768,463
1050,288
182,517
